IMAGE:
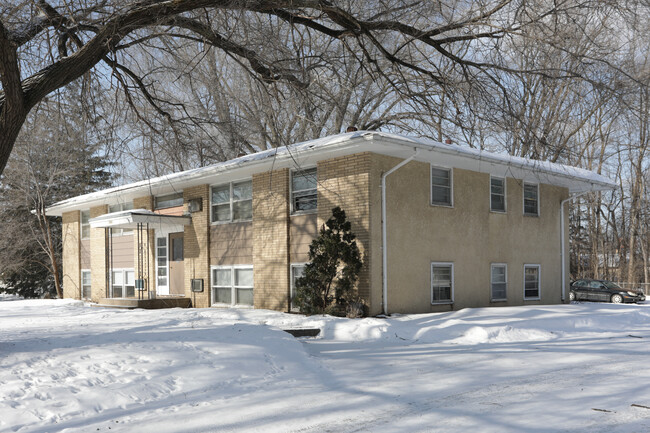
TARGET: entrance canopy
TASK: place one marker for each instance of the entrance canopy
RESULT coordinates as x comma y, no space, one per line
130,219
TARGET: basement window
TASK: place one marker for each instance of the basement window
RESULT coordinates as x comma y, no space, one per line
123,283
297,271
498,282
85,284
232,285
531,282
442,283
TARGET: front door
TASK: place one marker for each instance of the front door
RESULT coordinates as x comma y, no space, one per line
176,264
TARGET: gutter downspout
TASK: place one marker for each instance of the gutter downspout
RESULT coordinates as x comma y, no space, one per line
563,241
384,249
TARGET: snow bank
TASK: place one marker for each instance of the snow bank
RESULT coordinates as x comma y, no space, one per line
66,366
501,334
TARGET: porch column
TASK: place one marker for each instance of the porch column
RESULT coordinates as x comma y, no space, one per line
148,243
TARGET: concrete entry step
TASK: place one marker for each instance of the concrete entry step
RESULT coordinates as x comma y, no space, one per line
148,304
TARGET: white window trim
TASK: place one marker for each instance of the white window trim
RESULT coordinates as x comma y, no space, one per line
539,281
123,271
453,284
505,195
505,265
162,289
233,292
81,275
292,288
523,199
301,212
231,220
81,225
451,186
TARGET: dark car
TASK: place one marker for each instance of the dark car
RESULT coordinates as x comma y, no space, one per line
601,290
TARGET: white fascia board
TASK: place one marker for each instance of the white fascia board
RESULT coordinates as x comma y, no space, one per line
308,153
295,156
577,180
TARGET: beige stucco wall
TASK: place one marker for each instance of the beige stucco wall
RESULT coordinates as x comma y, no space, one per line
231,244
303,229
467,234
71,255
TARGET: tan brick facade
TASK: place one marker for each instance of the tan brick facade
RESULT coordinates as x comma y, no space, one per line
345,182
98,256
466,234
71,230
197,246
271,239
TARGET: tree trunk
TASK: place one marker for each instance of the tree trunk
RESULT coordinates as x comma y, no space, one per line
12,107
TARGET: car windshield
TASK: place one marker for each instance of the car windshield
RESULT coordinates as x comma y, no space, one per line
611,285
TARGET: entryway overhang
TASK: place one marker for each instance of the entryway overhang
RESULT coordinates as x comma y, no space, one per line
131,219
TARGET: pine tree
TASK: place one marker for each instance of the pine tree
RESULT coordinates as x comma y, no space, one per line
334,264
57,157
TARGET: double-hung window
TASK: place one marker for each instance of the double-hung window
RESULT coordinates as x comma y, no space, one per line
232,285
497,194
531,281
85,284
119,208
441,186
232,202
297,271
498,281
123,283
85,224
304,194
442,283
531,199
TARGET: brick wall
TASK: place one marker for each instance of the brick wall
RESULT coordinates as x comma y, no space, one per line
344,182
98,256
271,239
71,255
196,246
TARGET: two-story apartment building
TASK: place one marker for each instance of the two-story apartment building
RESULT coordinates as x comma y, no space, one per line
439,226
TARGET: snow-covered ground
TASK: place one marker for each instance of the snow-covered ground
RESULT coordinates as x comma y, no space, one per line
65,366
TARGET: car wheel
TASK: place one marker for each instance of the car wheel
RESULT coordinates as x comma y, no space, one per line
572,296
617,299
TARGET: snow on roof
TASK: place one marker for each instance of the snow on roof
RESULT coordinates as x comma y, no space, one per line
576,179
131,219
